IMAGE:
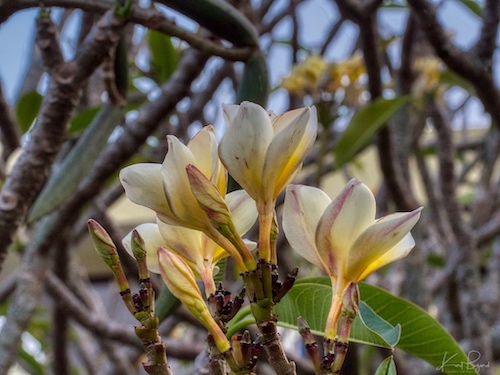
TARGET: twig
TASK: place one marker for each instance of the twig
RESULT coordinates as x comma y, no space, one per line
149,18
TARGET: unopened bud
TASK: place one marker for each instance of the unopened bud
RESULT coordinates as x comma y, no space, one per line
103,243
208,197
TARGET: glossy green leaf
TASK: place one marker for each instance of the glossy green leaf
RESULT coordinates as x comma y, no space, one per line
27,109
311,298
163,58
387,367
421,335
66,178
363,125
373,322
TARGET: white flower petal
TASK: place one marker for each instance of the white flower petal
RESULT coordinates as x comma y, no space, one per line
378,239
343,221
244,145
243,210
400,250
288,148
302,211
143,185
177,188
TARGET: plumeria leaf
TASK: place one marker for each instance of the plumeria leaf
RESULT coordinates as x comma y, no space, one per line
421,334
63,181
364,124
373,322
27,109
387,367
163,57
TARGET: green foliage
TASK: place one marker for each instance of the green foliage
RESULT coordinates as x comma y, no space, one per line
77,164
421,335
474,7
163,58
219,17
387,367
82,119
453,79
363,125
254,85
27,109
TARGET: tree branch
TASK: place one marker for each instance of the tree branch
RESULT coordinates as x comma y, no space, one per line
49,131
463,63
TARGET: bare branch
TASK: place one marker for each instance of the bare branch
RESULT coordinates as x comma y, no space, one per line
8,128
463,63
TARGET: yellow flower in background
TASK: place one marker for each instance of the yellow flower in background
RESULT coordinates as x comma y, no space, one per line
428,70
198,251
263,153
342,236
305,77
166,189
181,281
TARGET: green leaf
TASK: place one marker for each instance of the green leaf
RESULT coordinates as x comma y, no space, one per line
219,17
29,363
373,322
254,85
451,78
163,57
421,335
166,303
311,300
363,125
82,119
63,182
27,109
387,367
473,6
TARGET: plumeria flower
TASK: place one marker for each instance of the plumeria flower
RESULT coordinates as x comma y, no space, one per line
198,251
181,281
263,153
166,188
342,236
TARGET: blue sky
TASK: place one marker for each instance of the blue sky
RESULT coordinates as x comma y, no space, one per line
315,17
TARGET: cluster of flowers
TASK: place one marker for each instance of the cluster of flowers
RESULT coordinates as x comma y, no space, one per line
198,224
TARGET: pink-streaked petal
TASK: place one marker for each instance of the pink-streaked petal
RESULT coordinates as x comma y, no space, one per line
400,250
343,221
243,210
152,238
282,121
183,241
143,185
378,239
244,145
179,278
288,149
302,211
